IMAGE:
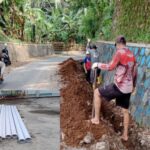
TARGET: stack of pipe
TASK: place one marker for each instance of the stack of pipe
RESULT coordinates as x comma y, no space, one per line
11,124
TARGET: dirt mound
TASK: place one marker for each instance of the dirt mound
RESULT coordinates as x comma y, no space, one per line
113,114
71,69
76,108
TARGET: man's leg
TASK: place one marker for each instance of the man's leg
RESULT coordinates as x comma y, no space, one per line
97,106
88,75
125,124
2,66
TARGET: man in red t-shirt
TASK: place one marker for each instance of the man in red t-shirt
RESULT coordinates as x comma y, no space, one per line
124,63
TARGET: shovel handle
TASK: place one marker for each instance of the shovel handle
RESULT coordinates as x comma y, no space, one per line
95,78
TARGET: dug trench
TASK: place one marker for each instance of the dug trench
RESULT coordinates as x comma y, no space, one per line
75,112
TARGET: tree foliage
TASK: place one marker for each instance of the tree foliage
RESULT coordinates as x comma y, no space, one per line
57,20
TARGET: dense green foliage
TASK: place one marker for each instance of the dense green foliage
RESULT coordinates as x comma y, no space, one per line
47,20
44,21
133,20
12,19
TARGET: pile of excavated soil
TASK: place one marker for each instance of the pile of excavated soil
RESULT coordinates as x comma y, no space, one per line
76,108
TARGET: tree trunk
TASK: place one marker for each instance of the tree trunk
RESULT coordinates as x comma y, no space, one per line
33,39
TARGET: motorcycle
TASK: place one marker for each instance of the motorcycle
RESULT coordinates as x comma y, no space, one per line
1,81
5,57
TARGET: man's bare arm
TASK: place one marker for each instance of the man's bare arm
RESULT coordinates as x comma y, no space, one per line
112,65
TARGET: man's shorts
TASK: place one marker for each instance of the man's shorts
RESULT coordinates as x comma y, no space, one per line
111,91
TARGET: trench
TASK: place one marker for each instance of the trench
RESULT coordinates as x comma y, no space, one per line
75,111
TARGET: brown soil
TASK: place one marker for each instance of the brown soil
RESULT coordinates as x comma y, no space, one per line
76,105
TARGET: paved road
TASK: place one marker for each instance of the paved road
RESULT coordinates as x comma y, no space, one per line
38,75
42,119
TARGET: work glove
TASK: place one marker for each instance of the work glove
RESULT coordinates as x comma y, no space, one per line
95,65
85,71
89,40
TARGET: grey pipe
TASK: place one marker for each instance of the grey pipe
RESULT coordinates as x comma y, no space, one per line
21,137
12,123
8,125
24,129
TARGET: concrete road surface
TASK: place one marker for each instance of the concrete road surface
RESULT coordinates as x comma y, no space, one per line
41,117
38,75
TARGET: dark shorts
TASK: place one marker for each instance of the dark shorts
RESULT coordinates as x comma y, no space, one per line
111,91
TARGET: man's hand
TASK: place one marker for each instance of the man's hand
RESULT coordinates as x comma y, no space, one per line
89,40
95,65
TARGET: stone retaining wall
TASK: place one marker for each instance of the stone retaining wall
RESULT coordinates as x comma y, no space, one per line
61,46
22,52
140,101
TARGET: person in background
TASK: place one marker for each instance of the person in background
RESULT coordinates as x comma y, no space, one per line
5,50
87,65
95,58
2,66
5,56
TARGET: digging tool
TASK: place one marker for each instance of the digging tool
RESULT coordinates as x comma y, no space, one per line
94,87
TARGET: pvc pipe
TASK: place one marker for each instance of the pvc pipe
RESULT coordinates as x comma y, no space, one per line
1,113
12,123
0,121
3,123
8,128
21,137
24,129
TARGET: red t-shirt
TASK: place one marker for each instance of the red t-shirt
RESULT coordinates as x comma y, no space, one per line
88,63
126,70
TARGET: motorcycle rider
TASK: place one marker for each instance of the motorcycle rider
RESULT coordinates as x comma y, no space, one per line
5,56
2,67
4,61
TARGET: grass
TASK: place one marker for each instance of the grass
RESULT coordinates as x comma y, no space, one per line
133,20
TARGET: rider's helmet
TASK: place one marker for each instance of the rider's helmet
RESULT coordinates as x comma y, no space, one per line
5,45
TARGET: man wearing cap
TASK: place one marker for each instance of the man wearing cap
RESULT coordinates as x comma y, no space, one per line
124,63
94,58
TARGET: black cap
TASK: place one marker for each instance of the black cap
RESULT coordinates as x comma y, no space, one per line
94,46
120,40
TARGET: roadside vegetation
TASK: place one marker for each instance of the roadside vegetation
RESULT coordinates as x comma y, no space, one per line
42,21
